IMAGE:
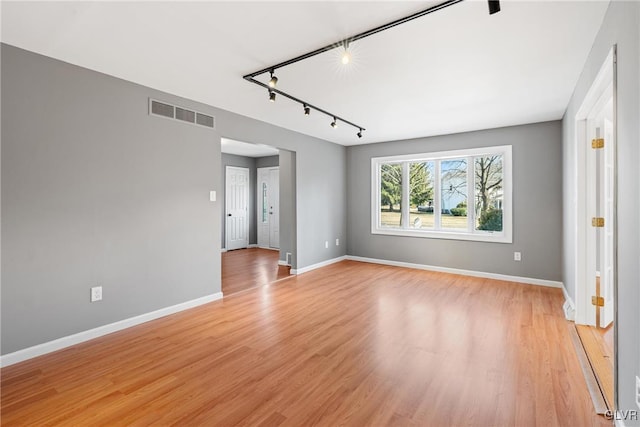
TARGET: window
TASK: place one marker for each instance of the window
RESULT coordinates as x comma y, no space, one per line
464,194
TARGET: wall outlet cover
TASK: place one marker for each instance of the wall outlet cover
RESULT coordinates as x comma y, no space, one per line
337,242
96,293
517,256
638,391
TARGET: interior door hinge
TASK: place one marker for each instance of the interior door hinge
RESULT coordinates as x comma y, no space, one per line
597,301
597,222
597,143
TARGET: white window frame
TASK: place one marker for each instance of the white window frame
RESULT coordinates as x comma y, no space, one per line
504,236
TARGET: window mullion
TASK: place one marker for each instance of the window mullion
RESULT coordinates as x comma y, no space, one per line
405,195
436,196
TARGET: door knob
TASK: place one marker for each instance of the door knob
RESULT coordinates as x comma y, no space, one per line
228,214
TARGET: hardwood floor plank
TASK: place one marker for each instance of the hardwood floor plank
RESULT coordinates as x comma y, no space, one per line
244,269
348,344
599,351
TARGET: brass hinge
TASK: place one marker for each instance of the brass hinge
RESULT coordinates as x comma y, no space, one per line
597,143
597,222
597,301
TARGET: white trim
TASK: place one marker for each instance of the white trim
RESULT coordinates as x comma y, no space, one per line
568,298
252,245
496,276
283,263
584,202
223,250
60,343
569,307
319,265
268,248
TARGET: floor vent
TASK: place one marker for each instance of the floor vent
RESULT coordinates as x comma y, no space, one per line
162,109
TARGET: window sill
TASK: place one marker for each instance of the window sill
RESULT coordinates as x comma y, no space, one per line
503,237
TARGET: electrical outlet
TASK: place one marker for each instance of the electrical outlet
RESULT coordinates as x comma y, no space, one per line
288,258
638,391
337,242
96,293
326,244
517,256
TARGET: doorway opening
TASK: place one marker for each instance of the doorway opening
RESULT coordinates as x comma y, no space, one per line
596,257
253,251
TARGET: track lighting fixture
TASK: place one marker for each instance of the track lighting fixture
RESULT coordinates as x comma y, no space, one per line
274,80
346,55
494,7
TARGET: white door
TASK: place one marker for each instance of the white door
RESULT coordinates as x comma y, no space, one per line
601,183
236,208
274,208
268,204
607,209
595,196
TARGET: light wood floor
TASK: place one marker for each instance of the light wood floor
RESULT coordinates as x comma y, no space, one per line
598,345
247,268
349,344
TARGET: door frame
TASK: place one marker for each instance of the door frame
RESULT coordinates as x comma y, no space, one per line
585,248
226,204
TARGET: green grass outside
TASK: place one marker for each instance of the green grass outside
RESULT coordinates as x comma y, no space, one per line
392,219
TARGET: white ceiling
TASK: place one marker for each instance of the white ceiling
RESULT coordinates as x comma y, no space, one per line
456,70
240,148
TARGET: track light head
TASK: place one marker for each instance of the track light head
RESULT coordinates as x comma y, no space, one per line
346,55
307,110
272,96
494,6
359,133
274,80
334,123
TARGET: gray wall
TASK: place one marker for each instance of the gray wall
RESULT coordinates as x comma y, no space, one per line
267,162
620,27
245,162
96,191
320,190
537,201
287,176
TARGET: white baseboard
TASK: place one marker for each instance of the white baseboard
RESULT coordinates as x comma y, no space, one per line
527,280
253,245
223,250
60,343
569,307
269,248
318,265
284,263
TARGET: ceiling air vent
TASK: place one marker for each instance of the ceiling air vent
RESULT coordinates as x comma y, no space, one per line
204,120
163,109
185,115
